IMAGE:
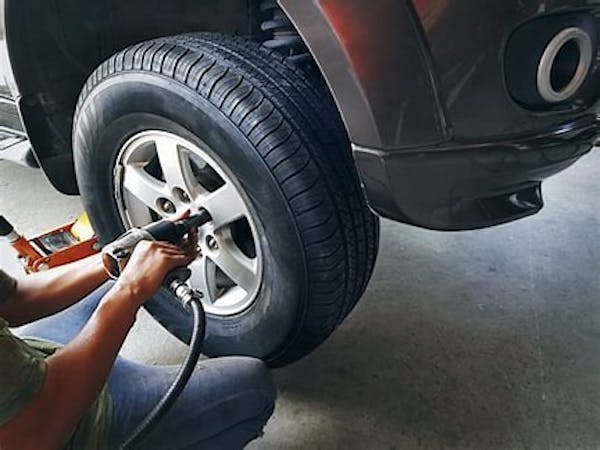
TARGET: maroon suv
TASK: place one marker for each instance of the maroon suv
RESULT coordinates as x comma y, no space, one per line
290,121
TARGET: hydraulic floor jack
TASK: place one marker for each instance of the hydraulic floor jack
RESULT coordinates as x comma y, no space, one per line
54,248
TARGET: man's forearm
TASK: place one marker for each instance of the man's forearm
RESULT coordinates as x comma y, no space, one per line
75,375
46,293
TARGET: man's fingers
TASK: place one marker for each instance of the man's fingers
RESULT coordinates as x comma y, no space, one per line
191,258
191,239
175,262
193,236
183,215
188,247
163,244
167,246
173,254
192,250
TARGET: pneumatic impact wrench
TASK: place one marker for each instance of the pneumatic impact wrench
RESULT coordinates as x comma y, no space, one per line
115,257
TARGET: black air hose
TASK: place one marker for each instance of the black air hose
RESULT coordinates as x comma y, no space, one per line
184,375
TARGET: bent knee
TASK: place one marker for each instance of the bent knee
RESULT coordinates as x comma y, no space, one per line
252,375
259,378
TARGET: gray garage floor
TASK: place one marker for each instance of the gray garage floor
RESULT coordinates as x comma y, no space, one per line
482,340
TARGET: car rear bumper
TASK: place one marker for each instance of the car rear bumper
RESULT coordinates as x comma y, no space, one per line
470,185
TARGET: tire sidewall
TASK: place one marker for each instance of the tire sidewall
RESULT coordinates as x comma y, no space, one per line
128,103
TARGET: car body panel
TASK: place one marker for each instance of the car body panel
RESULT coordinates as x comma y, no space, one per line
470,67
420,86
481,160
470,185
371,53
401,83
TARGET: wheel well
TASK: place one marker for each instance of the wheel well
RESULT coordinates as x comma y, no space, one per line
55,45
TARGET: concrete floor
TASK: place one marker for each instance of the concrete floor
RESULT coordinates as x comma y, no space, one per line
480,340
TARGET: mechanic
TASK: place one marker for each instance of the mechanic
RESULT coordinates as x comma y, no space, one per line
63,385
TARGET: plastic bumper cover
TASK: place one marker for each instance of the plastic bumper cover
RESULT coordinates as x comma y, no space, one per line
464,186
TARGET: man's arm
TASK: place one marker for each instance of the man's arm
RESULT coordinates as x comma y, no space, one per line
76,374
43,294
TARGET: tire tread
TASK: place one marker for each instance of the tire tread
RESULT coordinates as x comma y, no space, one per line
293,123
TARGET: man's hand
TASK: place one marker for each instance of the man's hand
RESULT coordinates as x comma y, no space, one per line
149,265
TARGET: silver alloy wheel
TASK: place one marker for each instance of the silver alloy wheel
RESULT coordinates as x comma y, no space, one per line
159,174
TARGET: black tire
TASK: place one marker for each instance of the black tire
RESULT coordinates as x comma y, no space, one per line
279,132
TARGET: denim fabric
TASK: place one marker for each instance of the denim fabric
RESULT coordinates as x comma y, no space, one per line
225,405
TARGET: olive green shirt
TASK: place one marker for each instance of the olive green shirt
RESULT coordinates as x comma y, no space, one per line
22,371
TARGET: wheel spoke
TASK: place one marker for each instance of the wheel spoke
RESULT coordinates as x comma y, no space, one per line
231,297
138,213
203,278
225,205
176,167
237,266
144,187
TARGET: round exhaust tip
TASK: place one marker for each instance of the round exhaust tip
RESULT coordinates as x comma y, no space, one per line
564,65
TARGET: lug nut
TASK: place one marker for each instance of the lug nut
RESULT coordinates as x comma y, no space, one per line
167,206
181,195
212,243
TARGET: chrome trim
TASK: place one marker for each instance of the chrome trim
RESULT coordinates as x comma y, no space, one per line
544,82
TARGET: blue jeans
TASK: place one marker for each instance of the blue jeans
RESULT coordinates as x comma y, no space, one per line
225,405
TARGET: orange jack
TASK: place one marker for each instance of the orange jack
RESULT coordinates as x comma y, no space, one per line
63,245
